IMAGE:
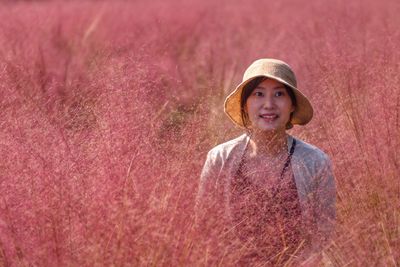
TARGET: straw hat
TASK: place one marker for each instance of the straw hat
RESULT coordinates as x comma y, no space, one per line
279,71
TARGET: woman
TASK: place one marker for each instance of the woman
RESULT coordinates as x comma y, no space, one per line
272,192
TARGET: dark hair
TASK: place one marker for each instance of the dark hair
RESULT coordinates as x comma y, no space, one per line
249,88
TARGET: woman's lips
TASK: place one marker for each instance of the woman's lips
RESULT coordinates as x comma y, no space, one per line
269,117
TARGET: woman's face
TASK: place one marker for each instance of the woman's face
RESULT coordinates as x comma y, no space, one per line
269,106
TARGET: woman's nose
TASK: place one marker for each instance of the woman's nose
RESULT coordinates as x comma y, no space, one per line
268,102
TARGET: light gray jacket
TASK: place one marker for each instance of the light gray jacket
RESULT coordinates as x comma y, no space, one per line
313,177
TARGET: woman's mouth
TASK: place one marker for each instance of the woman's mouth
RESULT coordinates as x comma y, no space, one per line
268,116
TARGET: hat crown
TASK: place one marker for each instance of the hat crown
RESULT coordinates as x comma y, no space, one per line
273,68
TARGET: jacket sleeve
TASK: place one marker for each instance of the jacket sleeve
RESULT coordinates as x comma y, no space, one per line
326,195
208,198
323,210
324,205
210,225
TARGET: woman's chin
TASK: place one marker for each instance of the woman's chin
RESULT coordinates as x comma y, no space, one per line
268,128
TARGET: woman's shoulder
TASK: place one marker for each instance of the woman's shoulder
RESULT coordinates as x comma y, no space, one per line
310,152
229,146
222,156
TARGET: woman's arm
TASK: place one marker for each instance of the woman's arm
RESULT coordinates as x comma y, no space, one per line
323,203
209,209
208,197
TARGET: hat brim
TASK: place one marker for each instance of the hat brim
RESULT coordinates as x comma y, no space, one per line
301,116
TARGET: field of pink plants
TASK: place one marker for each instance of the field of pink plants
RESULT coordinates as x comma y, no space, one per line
108,109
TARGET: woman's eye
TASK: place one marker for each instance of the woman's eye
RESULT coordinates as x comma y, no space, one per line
279,93
258,94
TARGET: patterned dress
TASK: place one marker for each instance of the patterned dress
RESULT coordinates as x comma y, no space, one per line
266,218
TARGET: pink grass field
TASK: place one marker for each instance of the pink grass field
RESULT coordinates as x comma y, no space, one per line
107,111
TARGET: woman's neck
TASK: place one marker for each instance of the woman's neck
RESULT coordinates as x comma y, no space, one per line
268,143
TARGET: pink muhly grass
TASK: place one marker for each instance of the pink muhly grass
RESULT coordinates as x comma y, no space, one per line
108,110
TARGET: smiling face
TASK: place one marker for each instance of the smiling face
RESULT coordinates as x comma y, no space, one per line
269,106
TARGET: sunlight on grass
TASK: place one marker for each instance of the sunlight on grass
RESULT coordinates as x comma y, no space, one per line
108,110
